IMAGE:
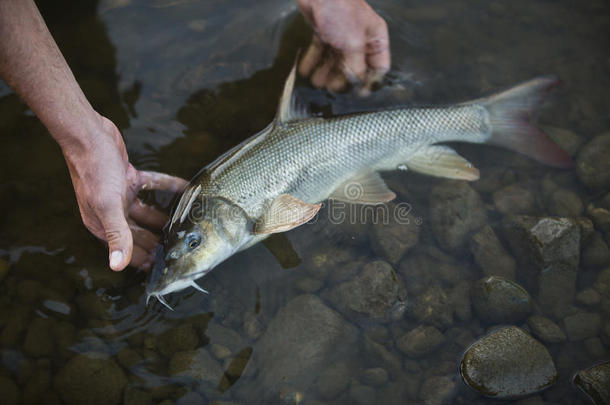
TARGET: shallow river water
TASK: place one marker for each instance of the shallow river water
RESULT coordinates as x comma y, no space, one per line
503,283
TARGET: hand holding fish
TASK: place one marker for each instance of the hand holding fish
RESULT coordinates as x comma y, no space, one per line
108,203
350,44
106,184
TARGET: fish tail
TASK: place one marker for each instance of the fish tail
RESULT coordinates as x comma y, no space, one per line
509,116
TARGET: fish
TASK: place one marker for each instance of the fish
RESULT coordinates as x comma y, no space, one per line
277,179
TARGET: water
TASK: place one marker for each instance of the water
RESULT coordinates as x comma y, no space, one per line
185,81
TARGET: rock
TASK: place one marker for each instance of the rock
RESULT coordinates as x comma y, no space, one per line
588,297
309,285
602,283
595,252
10,391
333,381
216,333
375,377
177,339
37,386
566,139
433,307
460,301
94,306
136,396
196,364
490,255
514,199
600,217
361,394
38,341
498,300
253,327
548,251
594,347
508,363
455,211
592,163
128,358
582,325
545,329
91,381
392,238
420,341
219,351
565,203
438,390
303,337
595,382
372,293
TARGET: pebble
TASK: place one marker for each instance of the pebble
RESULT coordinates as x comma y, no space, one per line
565,203
391,240
91,381
10,391
582,325
545,329
489,254
588,297
434,307
196,364
508,363
592,163
177,339
375,377
498,300
333,381
595,382
595,347
514,199
438,390
420,341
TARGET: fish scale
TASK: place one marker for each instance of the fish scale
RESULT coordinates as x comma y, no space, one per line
310,158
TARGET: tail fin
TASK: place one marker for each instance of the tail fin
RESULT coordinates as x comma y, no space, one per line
510,113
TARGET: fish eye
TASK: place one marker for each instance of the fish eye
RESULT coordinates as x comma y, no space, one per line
193,240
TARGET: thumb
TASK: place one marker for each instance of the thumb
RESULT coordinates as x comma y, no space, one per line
118,235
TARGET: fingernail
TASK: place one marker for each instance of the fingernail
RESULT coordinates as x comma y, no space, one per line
116,258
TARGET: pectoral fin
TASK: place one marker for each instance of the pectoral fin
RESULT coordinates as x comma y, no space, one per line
442,161
284,213
368,188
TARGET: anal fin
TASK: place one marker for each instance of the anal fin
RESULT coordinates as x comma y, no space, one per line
442,161
368,188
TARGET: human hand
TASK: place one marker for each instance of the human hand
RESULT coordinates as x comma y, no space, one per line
106,187
350,44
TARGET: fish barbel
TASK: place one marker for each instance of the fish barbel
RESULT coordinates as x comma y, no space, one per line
275,180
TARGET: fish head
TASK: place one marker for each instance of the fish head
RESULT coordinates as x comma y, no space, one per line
213,230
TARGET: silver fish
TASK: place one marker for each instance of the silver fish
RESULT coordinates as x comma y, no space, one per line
275,180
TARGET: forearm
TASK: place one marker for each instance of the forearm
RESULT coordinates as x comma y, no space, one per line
31,63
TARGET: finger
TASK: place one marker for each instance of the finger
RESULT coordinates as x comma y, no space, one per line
141,258
354,65
117,234
378,49
312,57
143,237
336,81
160,181
320,76
147,215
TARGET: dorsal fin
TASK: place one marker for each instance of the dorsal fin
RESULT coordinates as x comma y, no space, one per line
288,109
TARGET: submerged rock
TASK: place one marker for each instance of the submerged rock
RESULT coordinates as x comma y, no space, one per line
455,211
545,329
85,380
582,325
490,255
438,390
9,390
595,382
333,380
595,252
514,199
508,363
592,163
420,341
433,307
196,364
565,203
498,300
548,251
372,293
302,339
392,239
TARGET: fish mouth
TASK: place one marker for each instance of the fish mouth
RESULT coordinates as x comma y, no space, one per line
176,285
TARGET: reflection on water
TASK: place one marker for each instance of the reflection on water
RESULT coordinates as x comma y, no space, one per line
349,313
